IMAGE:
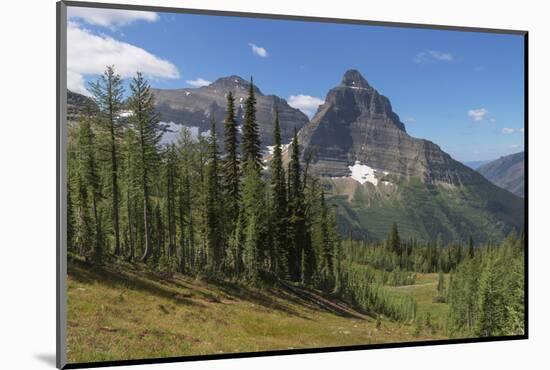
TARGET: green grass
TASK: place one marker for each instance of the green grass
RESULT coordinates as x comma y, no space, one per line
128,312
423,291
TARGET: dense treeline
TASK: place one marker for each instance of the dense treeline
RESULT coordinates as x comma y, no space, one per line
486,292
485,288
395,254
187,206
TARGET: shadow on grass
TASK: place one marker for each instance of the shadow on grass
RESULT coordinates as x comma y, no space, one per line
117,278
137,277
262,299
317,301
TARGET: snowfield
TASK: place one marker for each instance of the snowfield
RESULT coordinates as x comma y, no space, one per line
363,173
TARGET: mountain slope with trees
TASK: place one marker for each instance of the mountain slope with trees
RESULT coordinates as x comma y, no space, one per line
401,179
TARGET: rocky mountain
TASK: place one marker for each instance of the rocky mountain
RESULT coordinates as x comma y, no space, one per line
378,174
194,107
507,172
77,105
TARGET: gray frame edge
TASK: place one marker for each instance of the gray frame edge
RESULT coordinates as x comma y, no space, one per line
61,190
287,17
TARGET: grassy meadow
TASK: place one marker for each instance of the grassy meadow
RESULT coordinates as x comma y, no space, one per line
125,311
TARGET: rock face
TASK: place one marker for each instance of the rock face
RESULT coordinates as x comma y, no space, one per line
507,172
195,107
77,105
357,124
378,174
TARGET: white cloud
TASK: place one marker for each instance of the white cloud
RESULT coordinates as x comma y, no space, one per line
433,56
477,114
508,130
76,83
258,50
110,18
522,130
198,82
89,54
410,120
305,103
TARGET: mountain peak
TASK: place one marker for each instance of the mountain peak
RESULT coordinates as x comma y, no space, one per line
233,82
353,78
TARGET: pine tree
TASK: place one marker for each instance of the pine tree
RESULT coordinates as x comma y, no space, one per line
157,236
85,235
492,302
251,137
253,211
279,200
144,121
231,165
89,176
132,179
171,176
185,147
213,205
471,250
296,216
70,218
394,241
107,92
327,266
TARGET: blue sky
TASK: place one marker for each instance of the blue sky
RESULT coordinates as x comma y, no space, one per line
462,90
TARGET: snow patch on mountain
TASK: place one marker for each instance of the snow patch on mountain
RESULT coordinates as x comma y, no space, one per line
363,173
172,131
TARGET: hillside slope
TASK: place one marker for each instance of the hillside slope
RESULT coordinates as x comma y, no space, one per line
507,172
144,315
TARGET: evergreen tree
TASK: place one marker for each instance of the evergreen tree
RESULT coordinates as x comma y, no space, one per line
327,266
492,302
171,186
144,121
231,165
89,177
132,181
253,211
394,241
296,219
185,207
213,206
107,92
251,136
279,200
471,250
85,235
70,218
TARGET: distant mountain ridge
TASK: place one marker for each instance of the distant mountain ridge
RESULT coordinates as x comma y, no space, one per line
475,164
507,172
196,106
